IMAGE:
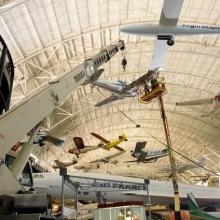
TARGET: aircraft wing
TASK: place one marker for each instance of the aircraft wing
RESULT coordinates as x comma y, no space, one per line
119,148
170,12
58,163
106,159
100,138
55,141
108,100
169,16
61,164
196,102
140,81
159,54
184,168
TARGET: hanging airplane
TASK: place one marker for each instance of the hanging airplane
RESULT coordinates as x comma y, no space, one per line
146,156
111,144
44,136
215,101
118,188
166,30
197,212
60,164
202,178
121,89
81,148
181,168
108,158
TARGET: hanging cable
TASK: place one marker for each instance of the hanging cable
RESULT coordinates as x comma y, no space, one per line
199,165
137,125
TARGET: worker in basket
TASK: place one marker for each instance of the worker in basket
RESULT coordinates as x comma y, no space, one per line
154,83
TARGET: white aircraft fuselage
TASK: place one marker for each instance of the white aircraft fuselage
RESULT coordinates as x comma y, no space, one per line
116,188
169,30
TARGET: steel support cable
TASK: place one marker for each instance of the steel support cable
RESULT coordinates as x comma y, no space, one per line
187,158
137,125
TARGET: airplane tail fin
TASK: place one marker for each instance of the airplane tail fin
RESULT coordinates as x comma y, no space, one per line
123,137
139,146
79,142
58,163
193,206
56,141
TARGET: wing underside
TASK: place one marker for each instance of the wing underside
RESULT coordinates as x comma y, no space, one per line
106,159
108,100
100,138
118,148
169,16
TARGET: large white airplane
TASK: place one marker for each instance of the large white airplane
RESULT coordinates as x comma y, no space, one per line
121,89
215,101
117,188
167,29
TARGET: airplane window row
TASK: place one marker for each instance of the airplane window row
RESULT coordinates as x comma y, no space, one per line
100,60
104,57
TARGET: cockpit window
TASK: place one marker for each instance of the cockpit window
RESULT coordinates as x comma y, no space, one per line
9,160
26,175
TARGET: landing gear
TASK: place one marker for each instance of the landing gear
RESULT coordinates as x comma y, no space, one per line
170,42
168,38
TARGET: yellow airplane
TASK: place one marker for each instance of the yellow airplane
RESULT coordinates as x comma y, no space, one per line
113,144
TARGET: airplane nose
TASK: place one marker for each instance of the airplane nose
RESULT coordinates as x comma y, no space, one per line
132,28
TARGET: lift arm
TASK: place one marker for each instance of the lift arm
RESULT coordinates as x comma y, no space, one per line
19,120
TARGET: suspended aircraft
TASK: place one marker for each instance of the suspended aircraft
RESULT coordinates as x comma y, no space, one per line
181,168
166,30
111,144
144,156
81,148
105,144
197,212
60,164
44,136
118,188
202,178
121,89
215,101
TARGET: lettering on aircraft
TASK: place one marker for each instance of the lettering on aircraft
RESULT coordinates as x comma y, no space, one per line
118,186
79,76
201,26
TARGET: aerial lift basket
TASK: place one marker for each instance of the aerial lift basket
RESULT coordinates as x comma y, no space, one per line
159,89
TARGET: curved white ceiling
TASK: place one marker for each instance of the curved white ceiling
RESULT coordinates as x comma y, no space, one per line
49,37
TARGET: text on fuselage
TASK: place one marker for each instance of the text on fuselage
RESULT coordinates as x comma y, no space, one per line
79,76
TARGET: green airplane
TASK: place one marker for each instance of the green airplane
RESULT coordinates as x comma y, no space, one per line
195,211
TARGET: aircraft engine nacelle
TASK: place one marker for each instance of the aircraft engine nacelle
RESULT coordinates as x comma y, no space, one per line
168,38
